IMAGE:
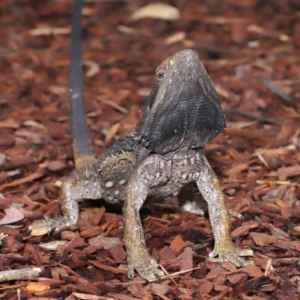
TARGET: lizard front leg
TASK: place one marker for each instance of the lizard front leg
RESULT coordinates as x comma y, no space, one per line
210,189
138,256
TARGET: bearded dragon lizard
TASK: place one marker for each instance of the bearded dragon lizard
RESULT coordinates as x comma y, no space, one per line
157,159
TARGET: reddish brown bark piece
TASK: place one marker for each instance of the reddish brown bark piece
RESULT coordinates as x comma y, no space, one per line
262,239
118,253
177,245
55,166
107,268
286,172
205,288
253,271
186,259
256,159
156,288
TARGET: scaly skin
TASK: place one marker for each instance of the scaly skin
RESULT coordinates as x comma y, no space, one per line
158,159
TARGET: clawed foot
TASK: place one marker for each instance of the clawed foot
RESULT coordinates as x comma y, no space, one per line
45,226
228,251
144,264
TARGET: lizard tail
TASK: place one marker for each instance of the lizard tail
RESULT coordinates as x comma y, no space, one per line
82,146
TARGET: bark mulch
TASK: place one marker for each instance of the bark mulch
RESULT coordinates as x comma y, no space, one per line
251,51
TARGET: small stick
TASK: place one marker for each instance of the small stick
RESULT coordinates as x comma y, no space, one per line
275,89
251,116
168,274
20,181
21,274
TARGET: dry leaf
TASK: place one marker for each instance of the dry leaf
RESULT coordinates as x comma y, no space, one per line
157,11
13,215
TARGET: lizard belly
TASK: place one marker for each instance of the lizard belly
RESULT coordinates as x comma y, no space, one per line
168,175
114,184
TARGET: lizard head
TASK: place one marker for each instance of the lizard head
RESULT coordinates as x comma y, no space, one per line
183,109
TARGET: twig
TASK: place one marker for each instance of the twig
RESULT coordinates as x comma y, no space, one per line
275,89
113,105
21,274
280,182
250,116
167,274
158,279
20,181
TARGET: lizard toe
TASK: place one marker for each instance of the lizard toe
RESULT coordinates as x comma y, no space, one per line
146,267
228,251
40,227
150,273
45,226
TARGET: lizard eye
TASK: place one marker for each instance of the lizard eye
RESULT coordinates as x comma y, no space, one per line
160,74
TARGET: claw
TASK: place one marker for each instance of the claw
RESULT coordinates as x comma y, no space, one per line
144,264
150,273
130,273
235,214
228,251
39,227
42,227
158,276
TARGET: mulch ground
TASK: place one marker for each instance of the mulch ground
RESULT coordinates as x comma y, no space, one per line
251,51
